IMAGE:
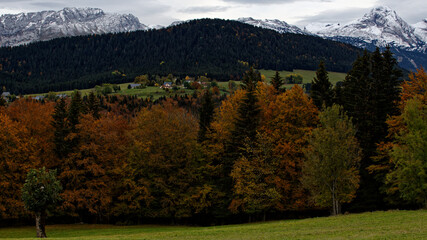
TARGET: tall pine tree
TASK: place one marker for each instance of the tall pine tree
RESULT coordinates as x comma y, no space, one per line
60,123
92,105
321,88
277,82
75,110
244,133
370,92
205,115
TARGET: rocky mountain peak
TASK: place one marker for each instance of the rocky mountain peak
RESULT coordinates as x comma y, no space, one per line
24,28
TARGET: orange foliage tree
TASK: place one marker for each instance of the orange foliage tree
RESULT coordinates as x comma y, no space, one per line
36,118
91,173
292,117
166,168
25,134
16,159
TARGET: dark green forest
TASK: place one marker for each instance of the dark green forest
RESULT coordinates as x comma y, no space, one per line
220,49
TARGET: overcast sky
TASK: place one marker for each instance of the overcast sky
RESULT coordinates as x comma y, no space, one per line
163,12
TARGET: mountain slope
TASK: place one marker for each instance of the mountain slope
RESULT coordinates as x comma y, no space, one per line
217,48
421,29
380,27
25,28
273,24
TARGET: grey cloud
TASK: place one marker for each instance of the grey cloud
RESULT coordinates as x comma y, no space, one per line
48,5
204,9
334,16
269,1
410,10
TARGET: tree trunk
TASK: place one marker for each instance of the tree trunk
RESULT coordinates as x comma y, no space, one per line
263,216
40,224
336,207
333,199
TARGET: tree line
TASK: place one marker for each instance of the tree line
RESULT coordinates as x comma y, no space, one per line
217,48
261,151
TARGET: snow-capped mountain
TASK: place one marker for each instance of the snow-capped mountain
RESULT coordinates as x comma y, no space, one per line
273,24
421,29
381,26
23,28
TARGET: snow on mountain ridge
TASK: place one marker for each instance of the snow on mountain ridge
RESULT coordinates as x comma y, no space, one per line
273,24
381,26
23,28
421,29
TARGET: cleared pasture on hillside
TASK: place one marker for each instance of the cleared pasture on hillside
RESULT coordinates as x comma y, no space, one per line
375,225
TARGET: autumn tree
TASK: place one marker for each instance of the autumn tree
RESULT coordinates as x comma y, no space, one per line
16,158
254,190
290,119
330,170
41,193
91,174
243,127
414,87
408,155
36,117
321,88
165,164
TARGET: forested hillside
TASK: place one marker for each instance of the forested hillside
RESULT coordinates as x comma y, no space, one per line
218,48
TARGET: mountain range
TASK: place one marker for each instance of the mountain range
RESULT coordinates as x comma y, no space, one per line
216,48
24,28
380,27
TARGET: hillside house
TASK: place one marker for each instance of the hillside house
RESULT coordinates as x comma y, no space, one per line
38,98
4,95
134,85
167,85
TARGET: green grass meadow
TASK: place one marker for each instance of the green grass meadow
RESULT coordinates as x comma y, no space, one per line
156,92
375,225
307,75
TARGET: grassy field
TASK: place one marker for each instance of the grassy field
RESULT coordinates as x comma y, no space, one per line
307,75
375,225
156,92
153,92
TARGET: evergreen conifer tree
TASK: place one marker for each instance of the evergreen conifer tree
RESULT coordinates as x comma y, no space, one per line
92,105
74,112
247,121
60,123
75,109
206,115
277,82
370,91
321,88
245,130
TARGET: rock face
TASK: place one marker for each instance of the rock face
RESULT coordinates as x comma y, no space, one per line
381,27
273,24
421,29
25,28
